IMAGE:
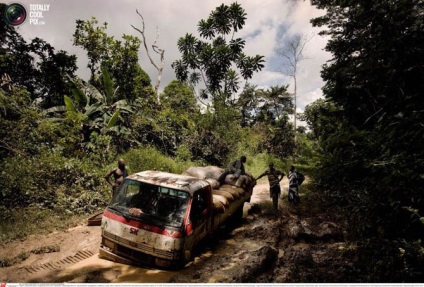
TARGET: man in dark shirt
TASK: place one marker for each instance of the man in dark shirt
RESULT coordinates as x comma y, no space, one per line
236,168
293,186
274,178
119,174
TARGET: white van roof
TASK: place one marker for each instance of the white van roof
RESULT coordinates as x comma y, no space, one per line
170,180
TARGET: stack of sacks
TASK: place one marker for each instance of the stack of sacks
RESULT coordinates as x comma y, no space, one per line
223,195
204,172
209,173
222,198
237,187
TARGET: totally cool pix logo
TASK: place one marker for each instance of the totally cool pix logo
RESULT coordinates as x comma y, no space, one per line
15,14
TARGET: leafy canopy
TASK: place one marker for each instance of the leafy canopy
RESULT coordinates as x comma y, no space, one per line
119,56
35,65
373,157
213,59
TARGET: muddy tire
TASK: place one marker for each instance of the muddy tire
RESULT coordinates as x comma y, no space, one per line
186,257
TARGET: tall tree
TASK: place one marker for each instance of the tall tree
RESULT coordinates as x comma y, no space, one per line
166,126
95,41
276,104
161,52
119,56
35,65
248,102
210,60
179,97
321,116
292,54
266,112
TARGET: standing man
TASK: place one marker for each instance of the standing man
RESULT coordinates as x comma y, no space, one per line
236,167
274,178
119,174
294,186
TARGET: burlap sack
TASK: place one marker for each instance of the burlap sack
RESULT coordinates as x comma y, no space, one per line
218,206
242,181
224,193
204,172
222,199
235,191
213,182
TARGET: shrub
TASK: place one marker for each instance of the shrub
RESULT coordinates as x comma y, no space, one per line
45,178
146,158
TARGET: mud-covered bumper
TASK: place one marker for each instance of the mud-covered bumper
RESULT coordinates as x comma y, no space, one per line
119,250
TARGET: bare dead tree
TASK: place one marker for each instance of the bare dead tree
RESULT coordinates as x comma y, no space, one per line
292,54
159,66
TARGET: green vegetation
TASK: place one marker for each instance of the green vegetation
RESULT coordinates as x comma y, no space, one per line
150,158
35,65
370,130
46,249
211,60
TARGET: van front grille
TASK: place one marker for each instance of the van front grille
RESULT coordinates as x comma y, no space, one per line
141,247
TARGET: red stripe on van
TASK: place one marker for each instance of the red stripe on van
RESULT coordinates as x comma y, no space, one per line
139,225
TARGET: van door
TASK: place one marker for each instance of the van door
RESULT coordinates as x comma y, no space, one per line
199,214
197,221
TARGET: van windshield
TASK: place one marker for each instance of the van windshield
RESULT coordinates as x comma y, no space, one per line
159,204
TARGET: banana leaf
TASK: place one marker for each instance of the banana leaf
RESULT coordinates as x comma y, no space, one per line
113,119
78,94
95,94
108,85
69,104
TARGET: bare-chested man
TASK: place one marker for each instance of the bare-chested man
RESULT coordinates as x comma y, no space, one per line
274,178
119,174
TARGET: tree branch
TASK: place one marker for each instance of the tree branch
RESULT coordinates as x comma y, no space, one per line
156,49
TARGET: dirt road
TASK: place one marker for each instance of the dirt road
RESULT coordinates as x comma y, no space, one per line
255,251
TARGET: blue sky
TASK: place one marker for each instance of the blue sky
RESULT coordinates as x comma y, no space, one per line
268,23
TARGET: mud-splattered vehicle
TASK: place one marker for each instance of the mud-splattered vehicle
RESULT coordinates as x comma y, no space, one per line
158,218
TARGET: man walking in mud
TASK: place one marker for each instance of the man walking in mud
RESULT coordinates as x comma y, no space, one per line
295,179
274,178
119,174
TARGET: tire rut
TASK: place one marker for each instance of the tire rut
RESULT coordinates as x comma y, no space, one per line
61,264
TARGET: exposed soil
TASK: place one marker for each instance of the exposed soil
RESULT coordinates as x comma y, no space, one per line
267,247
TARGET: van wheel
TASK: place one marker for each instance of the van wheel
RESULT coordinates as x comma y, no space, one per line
186,258
187,255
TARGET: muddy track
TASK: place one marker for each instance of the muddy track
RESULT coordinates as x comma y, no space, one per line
265,247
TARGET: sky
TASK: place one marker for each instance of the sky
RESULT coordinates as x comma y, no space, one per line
268,23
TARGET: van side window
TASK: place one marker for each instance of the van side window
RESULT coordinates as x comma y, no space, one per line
198,207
